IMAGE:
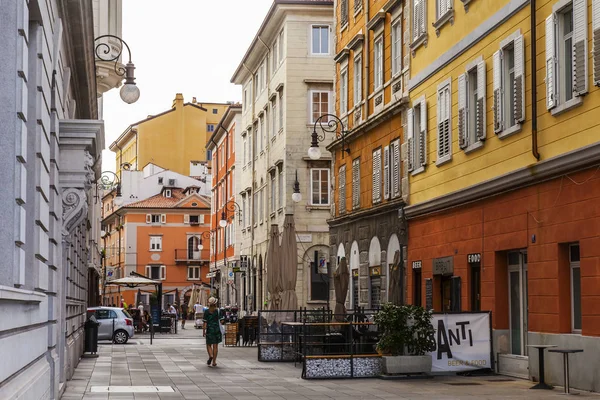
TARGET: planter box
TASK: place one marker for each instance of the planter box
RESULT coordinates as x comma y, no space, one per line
406,364
324,367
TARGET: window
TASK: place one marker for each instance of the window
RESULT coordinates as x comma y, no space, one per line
319,186
396,47
155,218
245,97
509,86
281,110
419,19
344,92
259,134
260,206
443,7
378,60
273,193
193,273
343,13
417,136
105,314
194,219
342,189
281,192
215,111
320,39
168,193
245,155
255,207
395,166
444,113
471,106
356,183
274,57
274,116
566,53
575,287
244,224
280,44
319,105
160,182
357,80
376,187
210,128
319,284
155,243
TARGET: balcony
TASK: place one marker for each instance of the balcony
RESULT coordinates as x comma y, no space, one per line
188,256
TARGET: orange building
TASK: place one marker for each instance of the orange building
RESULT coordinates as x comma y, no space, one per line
157,237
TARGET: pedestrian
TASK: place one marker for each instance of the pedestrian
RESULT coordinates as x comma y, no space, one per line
212,331
141,307
184,314
147,320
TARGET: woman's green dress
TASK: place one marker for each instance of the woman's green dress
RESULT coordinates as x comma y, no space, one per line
213,331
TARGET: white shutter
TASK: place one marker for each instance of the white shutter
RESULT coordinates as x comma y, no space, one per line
423,17
186,218
423,135
163,272
411,152
376,189
163,218
148,218
498,91
462,111
148,272
481,111
415,19
201,218
386,172
596,40
396,168
550,64
519,82
580,27
440,123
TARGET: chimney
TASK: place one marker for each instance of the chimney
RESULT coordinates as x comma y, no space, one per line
193,100
178,102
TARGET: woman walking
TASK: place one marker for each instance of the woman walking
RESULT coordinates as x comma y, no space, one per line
211,329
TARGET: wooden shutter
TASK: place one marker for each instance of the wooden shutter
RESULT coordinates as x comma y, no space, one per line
163,272
344,12
550,64
498,91
355,183
376,188
186,218
423,134
396,168
462,111
580,27
519,80
148,272
481,89
148,218
410,140
342,189
386,172
163,218
596,40
201,218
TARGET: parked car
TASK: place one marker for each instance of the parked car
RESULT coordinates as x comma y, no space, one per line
115,323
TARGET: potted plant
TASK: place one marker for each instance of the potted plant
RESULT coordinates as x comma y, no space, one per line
406,336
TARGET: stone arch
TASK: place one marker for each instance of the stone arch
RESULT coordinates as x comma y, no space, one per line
392,248
374,252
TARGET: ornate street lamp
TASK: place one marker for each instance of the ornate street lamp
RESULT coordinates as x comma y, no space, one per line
328,123
296,195
233,207
109,181
206,235
129,93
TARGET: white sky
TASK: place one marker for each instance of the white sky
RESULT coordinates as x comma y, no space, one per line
181,46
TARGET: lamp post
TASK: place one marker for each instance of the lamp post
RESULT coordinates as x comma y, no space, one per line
129,93
296,195
328,123
110,181
233,207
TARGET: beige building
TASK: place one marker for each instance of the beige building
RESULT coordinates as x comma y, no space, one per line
287,83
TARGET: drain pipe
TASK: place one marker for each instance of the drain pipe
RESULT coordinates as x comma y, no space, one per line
367,63
534,132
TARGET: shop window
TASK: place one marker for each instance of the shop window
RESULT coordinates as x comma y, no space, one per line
375,283
355,300
417,286
319,283
575,288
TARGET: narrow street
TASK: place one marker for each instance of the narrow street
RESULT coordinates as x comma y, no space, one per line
174,367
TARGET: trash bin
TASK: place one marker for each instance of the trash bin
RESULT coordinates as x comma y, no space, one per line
91,335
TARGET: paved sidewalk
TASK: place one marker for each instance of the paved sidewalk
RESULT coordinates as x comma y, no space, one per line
180,362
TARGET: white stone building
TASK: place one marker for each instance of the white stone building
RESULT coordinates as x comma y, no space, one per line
287,83
51,138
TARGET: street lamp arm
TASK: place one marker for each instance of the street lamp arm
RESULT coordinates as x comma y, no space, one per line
233,207
328,123
103,51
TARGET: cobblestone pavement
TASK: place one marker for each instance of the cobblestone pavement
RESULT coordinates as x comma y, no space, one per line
179,361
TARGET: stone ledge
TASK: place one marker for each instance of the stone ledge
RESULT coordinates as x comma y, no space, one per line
8,293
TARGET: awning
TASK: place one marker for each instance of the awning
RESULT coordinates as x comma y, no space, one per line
133,281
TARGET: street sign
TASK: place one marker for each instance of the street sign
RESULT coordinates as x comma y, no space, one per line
230,277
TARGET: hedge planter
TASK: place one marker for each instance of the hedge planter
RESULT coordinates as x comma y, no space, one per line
393,365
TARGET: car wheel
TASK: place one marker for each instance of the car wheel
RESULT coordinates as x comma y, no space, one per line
120,337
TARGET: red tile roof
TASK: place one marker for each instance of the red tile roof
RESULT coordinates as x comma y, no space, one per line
160,201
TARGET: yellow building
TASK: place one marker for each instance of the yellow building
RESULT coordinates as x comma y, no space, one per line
174,139
503,151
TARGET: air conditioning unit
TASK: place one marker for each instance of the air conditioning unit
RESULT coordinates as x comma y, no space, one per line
171,182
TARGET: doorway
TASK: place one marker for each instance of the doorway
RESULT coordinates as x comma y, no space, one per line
475,286
517,301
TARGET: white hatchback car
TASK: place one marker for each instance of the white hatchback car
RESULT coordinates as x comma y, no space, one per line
115,323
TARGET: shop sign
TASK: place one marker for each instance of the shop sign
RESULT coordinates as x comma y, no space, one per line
211,275
417,264
230,276
443,266
243,263
429,294
474,258
304,237
322,263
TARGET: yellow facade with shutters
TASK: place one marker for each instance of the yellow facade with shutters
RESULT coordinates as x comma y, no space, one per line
487,134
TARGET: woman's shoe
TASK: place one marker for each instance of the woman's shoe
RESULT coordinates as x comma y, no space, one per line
209,361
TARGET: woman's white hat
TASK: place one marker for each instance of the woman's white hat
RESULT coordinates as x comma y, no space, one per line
212,300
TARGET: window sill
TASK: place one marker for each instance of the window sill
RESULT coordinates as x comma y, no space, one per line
510,131
358,10
272,215
318,207
280,131
378,90
344,26
418,171
466,5
156,251
443,160
564,107
418,42
443,20
472,147
193,279
280,210
273,139
316,302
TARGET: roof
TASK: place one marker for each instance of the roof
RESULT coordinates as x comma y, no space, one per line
160,201
234,108
265,22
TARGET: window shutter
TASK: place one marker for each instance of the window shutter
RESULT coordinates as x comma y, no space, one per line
201,218
519,82
148,218
416,19
355,183
410,140
580,27
596,40
376,176
342,191
163,272
550,64
186,219
163,218
344,12
498,91
423,135
440,124
396,169
386,172
481,86
462,111
148,272
422,17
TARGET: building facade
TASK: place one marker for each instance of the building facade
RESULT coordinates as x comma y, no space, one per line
368,225
183,130
503,155
287,81
52,140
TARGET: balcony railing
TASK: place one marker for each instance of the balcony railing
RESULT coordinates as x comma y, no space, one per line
187,255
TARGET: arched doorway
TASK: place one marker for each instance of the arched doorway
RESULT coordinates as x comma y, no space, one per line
375,273
354,273
393,247
192,248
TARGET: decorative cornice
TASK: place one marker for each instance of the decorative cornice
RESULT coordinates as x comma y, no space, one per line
377,19
350,217
342,55
357,40
75,210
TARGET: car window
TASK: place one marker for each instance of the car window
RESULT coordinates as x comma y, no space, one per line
102,314
126,313
112,314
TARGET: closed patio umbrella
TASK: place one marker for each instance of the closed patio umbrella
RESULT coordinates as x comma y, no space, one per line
341,280
395,288
273,262
289,264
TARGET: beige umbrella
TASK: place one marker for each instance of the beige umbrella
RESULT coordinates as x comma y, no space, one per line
289,263
341,280
395,278
273,262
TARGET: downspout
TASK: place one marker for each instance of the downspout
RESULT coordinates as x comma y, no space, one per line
367,59
216,175
534,133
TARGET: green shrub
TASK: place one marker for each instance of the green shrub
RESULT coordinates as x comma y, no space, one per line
405,330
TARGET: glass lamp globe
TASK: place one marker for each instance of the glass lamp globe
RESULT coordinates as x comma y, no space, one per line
314,153
130,93
297,197
200,247
118,201
222,223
